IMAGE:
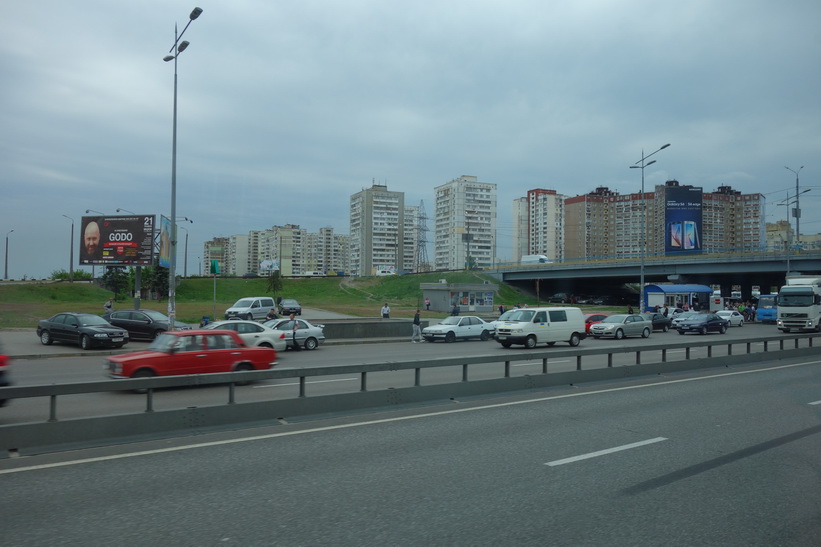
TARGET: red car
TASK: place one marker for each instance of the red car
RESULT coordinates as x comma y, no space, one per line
592,318
191,352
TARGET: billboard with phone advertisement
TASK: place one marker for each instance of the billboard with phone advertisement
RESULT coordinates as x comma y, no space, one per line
117,240
682,213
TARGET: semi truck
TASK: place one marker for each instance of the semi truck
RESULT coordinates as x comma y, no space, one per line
799,304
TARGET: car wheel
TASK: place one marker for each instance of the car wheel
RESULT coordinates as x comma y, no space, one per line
505,344
248,317
143,373
266,345
703,330
574,341
665,328
429,338
450,337
619,334
243,367
85,342
485,336
45,338
158,332
530,342
681,332
310,343
723,329
645,333
741,323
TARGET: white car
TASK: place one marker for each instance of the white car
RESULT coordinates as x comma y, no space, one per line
253,333
680,318
455,326
735,318
308,335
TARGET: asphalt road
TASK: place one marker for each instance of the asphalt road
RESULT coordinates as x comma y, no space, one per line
725,457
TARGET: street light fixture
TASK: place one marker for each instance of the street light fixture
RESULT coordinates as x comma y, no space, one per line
6,273
119,210
93,211
786,202
797,210
71,252
177,48
643,243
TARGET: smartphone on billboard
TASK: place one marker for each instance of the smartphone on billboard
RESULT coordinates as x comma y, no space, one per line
675,235
689,234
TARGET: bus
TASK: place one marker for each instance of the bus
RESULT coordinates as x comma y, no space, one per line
766,310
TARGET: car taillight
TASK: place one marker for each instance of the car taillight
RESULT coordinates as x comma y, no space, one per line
282,336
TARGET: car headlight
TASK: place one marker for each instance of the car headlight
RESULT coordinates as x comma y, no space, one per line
101,335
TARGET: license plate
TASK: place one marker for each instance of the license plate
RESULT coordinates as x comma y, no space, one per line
502,337
116,339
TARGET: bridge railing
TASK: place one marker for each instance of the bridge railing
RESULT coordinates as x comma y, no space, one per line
591,364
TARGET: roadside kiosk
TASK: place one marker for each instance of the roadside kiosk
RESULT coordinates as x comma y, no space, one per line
695,297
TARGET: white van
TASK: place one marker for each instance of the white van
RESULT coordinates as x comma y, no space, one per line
532,326
534,259
252,307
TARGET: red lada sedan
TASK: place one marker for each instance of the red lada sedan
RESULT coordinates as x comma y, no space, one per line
191,352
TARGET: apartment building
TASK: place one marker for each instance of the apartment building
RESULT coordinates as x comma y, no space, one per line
519,228
465,224
377,230
545,223
589,223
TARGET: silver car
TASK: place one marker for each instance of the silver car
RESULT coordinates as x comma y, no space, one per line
308,335
253,333
621,325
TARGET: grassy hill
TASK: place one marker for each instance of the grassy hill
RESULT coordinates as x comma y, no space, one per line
22,305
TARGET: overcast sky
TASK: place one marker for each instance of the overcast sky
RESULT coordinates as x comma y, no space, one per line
287,108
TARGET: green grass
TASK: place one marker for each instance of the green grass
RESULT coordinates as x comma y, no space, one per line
22,305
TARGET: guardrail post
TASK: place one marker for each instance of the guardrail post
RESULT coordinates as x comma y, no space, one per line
638,357
465,372
149,400
750,348
730,348
781,344
231,391
302,386
664,355
363,382
578,362
687,353
796,343
544,365
609,360
52,411
507,369
709,350
417,377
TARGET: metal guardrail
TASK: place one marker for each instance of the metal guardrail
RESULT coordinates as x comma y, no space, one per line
95,430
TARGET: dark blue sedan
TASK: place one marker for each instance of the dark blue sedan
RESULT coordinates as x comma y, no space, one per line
703,323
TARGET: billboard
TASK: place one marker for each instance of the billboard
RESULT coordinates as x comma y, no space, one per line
117,240
682,214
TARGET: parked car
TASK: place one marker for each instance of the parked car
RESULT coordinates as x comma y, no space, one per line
308,335
459,327
251,307
604,300
620,325
592,319
5,365
559,298
84,329
191,352
703,323
735,318
659,321
253,333
145,324
287,306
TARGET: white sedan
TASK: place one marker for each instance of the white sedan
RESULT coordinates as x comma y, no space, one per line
253,333
453,327
735,318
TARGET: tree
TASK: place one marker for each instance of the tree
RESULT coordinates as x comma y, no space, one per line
274,283
116,280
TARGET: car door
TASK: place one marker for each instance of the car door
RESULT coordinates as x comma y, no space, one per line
222,353
190,356
635,325
250,333
64,328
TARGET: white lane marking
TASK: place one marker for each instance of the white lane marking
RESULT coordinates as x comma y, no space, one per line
816,403
311,382
604,452
389,420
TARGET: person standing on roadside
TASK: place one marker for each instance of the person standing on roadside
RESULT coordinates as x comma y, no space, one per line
108,307
294,328
386,311
417,328
427,304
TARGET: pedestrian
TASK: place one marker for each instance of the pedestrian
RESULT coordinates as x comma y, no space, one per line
427,304
386,311
630,310
666,311
108,307
501,309
455,310
271,315
294,328
417,328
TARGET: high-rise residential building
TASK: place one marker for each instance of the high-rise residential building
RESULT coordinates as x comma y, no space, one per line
589,223
545,224
732,221
327,251
286,248
377,230
411,237
519,229
216,249
465,220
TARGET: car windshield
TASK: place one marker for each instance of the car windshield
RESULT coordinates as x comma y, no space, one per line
614,319
452,320
244,303
163,343
507,315
288,302
688,315
92,320
523,316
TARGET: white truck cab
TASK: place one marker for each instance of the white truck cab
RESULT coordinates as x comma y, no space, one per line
532,326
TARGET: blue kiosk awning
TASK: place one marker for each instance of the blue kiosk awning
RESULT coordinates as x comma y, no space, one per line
687,294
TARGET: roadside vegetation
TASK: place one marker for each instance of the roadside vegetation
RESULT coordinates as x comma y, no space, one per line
23,304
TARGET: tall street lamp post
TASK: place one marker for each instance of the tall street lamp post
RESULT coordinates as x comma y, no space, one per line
643,243
797,210
176,49
786,202
6,273
185,254
71,252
